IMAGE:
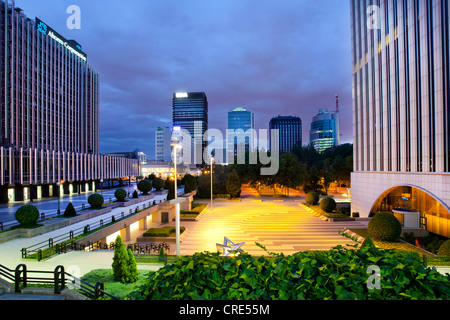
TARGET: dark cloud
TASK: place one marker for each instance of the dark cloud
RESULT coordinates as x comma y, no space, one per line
273,57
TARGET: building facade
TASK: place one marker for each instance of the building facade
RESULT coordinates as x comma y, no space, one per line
289,131
324,132
401,109
190,112
49,113
163,139
240,134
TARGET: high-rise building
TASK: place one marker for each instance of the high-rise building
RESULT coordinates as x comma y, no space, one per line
401,110
163,138
190,112
324,132
49,108
289,130
240,134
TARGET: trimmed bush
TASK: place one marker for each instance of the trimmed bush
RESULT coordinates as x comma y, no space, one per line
158,184
384,226
328,204
444,250
27,215
70,211
135,194
145,186
96,200
120,194
312,198
163,232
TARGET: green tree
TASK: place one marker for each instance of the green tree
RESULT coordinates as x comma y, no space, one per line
70,211
145,186
291,173
158,184
132,271
171,193
233,184
190,183
151,177
120,261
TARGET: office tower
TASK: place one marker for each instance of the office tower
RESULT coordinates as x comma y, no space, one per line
324,132
401,110
190,112
240,134
49,110
290,132
163,137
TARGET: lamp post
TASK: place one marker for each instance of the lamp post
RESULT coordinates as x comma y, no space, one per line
177,221
101,186
175,147
58,184
212,160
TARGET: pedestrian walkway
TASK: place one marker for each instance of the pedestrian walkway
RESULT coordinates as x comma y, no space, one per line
281,227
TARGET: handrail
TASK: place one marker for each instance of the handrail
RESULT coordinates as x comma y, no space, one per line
21,278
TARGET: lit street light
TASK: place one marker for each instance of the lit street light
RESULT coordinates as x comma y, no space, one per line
175,147
177,221
212,160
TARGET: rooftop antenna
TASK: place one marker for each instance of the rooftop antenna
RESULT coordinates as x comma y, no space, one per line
337,103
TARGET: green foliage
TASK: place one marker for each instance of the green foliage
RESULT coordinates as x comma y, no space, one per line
151,177
444,250
70,211
190,183
120,194
96,200
233,184
171,187
312,198
384,226
328,204
337,274
145,186
27,215
163,232
135,194
124,266
158,184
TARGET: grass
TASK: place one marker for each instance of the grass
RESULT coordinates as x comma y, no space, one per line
197,208
398,245
112,287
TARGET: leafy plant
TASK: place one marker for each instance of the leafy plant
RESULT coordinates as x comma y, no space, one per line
70,211
96,200
384,226
312,198
444,249
27,215
145,186
120,194
158,184
328,204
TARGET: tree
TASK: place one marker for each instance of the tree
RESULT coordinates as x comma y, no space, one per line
145,186
120,194
151,177
70,211
132,271
233,184
120,261
158,184
190,183
171,193
291,173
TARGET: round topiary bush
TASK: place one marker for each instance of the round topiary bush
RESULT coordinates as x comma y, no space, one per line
444,249
158,184
27,215
384,226
312,198
120,194
328,204
96,200
145,186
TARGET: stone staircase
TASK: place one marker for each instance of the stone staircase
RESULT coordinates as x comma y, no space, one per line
29,296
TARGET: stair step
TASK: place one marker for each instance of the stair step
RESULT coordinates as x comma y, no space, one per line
13,296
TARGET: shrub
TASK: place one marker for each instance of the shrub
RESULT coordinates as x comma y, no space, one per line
190,183
145,186
120,261
171,193
27,215
312,198
337,274
120,194
163,232
70,211
135,194
132,271
384,226
233,184
158,184
96,200
444,250
328,204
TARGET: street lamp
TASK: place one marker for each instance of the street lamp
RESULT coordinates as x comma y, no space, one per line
212,160
175,147
58,184
101,186
177,221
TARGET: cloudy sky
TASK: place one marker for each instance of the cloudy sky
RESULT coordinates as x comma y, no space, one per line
274,57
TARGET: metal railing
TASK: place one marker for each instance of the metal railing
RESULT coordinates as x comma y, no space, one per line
21,277
66,241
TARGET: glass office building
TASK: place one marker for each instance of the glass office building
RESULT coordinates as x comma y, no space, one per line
190,112
324,132
49,106
401,109
289,130
240,134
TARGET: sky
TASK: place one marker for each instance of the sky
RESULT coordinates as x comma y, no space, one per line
273,57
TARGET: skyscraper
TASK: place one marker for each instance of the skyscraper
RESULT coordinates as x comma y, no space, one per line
190,112
240,134
290,132
49,110
163,137
401,109
324,132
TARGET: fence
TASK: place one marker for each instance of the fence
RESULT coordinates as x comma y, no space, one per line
66,241
21,277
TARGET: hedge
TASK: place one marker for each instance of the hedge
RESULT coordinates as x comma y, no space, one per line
27,215
384,226
162,232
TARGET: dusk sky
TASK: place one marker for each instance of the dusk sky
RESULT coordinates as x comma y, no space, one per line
277,57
